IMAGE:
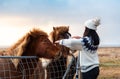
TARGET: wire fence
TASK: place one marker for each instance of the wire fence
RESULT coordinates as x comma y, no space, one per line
23,69
31,68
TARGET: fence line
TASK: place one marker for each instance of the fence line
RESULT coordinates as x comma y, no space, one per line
39,73
18,57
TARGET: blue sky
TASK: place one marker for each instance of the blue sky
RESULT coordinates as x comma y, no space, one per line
18,16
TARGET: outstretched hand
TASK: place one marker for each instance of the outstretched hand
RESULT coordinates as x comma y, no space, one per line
77,37
57,41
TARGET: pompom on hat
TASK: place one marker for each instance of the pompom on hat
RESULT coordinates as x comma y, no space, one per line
92,23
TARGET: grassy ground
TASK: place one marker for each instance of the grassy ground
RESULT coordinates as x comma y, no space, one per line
110,63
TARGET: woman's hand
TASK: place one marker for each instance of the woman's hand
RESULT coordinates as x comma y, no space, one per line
77,37
57,42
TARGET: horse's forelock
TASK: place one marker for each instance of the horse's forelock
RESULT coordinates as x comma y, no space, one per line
37,33
21,44
32,35
62,29
57,31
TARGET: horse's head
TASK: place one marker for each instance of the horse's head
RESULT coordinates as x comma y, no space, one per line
60,32
36,43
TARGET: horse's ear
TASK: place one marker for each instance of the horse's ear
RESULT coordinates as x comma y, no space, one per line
54,28
68,27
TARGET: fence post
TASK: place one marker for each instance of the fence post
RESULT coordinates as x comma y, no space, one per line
68,68
78,70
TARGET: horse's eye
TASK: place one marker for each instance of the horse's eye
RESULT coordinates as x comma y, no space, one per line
45,41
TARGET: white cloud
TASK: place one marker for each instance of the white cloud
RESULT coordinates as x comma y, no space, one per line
48,13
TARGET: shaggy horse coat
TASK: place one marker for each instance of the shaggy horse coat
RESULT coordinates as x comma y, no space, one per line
57,68
34,43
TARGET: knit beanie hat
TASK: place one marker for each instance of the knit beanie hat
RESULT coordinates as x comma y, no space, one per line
92,23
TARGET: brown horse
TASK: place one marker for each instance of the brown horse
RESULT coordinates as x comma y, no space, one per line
34,43
56,69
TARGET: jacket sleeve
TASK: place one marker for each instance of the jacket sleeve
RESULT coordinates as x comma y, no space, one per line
74,44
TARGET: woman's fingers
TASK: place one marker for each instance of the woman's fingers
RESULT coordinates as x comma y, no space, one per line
77,37
57,41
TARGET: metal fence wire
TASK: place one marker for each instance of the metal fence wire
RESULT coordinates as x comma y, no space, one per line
26,69
30,68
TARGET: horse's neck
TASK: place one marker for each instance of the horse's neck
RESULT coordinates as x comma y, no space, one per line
28,53
30,61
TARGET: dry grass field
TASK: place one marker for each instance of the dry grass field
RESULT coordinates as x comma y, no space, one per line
109,62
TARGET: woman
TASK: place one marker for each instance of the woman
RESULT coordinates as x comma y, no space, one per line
88,45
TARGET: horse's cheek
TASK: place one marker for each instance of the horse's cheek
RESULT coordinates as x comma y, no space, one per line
40,51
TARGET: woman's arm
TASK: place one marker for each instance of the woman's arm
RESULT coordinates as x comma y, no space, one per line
73,43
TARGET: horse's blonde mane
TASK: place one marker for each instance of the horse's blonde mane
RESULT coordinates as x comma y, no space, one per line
58,29
19,47
61,29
